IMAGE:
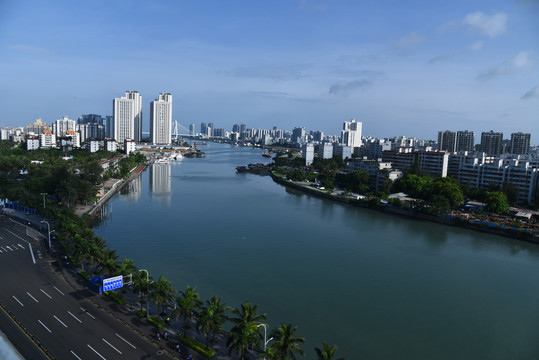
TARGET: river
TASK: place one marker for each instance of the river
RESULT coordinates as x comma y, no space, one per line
379,286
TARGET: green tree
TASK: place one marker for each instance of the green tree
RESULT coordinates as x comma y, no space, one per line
286,343
212,317
141,284
161,292
496,202
327,352
188,303
245,332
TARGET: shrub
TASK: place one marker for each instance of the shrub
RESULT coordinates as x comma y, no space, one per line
111,294
156,322
198,347
141,313
84,275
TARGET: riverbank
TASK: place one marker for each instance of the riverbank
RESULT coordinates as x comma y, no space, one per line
455,219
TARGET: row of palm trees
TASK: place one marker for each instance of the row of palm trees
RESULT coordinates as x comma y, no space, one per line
208,317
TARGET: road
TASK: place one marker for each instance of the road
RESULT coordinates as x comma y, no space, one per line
45,317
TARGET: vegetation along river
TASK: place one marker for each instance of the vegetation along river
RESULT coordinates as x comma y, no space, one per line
379,286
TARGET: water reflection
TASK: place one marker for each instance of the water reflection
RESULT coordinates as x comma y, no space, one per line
160,182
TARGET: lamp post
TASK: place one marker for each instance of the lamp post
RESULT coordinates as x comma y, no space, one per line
43,194
48,231
265,336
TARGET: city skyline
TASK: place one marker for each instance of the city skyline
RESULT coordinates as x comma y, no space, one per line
401,69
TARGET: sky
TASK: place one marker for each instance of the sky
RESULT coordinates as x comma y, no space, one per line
408,68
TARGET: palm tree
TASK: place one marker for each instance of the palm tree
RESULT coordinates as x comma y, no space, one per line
141,285
188,303
162,292
241,337
108,262
127,267
246,332
327,352
211,317
286,344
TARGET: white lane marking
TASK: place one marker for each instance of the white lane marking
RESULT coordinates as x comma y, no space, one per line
22,247
75,355
39,321
32,297
15,247
10,249
58,290
133,346
17,300
109,344
12,233
60,321
101,356
3,248
1,251
76,318
87,313
31,252
43,291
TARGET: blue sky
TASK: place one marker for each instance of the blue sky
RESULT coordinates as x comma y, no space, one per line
401,67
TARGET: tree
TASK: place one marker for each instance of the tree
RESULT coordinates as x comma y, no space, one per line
109,262
496,202
162,292
211,317
512,193
188,303
141,284
326,352
245,332
286,344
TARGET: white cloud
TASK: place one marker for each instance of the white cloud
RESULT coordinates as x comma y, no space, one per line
29,49
490,25
519,62
476,46
346,87
533,93
412,39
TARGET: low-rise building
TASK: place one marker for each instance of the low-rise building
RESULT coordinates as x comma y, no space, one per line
110,145
92,145
129,146
32,142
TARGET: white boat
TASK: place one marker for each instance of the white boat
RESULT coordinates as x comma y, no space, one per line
176,156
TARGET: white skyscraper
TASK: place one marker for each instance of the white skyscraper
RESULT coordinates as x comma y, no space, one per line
62,126
351,134
161,119
127,117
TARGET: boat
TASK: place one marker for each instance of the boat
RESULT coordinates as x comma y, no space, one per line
176,156
199,143
266,154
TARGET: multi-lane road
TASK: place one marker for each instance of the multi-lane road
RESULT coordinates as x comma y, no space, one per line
45,318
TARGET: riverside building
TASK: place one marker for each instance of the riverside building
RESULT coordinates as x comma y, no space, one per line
127,117
161,119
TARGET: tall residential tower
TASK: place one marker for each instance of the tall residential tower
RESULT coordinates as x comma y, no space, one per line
161,119
127,117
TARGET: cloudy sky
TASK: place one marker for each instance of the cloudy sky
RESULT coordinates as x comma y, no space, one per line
401,67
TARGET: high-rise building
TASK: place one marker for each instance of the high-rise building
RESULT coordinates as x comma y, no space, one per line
90,119
447,141
210,129
37,127
491,143
192,129
161,119
520,143
236,128
62,126
109,126
203,129
351,134
298,134
465,140
127,117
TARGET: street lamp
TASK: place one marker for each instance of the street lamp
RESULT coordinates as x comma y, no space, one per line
44,199
49,231
265,336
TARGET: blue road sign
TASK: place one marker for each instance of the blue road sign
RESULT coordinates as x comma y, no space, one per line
113,283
